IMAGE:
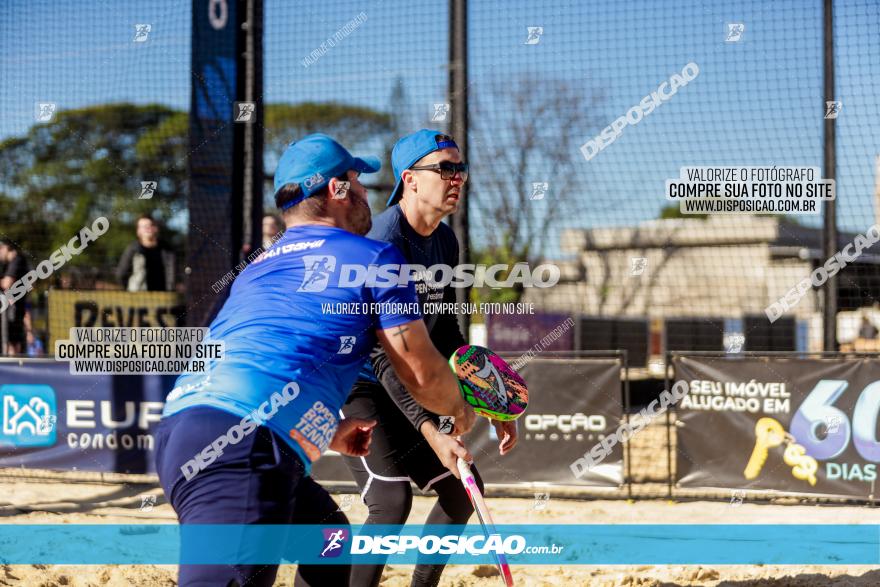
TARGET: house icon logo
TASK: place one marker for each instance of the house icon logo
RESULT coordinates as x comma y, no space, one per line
27,415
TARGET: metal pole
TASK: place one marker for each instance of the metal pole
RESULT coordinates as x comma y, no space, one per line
627,406
458,106
4,333
253,175
829,233
669,476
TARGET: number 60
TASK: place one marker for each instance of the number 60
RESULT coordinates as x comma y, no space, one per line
818,409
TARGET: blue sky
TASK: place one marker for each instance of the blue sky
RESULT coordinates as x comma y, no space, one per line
756,102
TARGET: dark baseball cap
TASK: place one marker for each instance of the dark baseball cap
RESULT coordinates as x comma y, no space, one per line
410,149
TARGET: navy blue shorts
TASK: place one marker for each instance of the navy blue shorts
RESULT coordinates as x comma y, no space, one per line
260,480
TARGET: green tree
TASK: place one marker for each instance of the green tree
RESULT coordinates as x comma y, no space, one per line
673,211
356,127
90,162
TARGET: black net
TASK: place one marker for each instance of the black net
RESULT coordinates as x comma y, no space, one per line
94,135
579,115
581,112
365,74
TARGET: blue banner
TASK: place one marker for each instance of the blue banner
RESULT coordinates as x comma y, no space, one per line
521,544
50,419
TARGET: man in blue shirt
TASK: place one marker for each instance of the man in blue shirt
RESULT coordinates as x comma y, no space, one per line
236,443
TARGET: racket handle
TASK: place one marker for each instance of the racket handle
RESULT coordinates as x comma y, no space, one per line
464,470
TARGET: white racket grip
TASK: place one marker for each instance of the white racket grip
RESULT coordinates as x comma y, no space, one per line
465,471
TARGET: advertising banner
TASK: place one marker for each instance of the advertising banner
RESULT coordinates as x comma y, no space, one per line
82,309
804,425
518,332
50,419
573,404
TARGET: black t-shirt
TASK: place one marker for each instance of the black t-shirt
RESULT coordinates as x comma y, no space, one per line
440,247
16,269
155,268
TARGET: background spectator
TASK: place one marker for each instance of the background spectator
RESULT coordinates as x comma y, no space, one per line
272,226
867,330
146,265
13,266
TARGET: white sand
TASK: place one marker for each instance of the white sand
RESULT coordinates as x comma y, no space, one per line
53,502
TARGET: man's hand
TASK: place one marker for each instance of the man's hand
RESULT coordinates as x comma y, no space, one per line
448,448
507,433
353,437
465,419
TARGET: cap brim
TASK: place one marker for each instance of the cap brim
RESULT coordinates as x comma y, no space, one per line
395,193
367,164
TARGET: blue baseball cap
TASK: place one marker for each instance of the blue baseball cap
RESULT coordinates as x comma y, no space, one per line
410,149
313,160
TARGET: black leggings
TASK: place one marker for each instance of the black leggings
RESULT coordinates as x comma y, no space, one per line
398,454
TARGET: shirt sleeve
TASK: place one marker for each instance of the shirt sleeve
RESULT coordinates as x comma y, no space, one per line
396,304
398,393
17,268
446,335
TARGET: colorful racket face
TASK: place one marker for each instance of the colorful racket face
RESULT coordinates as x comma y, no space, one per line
485,517
489,384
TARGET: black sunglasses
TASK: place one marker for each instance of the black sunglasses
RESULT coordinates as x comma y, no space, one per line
446,169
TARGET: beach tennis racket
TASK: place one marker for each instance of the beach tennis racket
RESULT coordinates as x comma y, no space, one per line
473,491
489,384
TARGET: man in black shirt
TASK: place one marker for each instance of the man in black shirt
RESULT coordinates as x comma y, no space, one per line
146,265
13,266
407,443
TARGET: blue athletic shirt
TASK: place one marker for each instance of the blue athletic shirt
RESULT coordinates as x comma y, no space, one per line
285,321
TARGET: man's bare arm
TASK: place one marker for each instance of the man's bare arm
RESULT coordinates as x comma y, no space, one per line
424,371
